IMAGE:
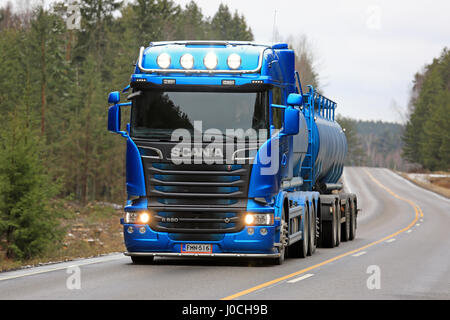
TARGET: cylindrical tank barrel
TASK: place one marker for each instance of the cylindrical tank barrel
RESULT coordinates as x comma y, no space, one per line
330,150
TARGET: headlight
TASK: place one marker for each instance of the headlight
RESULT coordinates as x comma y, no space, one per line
163,60
262,219
234,61
187,61
144,217
137,217
210,61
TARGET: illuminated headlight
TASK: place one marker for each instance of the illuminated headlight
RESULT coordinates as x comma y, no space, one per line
234,61
187,61
163,60
210,61
144,217
137,217
258,219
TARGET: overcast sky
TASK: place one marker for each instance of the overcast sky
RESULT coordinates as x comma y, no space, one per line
367,52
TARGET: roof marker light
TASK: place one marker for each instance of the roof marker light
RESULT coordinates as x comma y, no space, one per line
210,61
234,61
163,60
187,61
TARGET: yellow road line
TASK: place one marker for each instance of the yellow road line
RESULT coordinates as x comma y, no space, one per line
417,211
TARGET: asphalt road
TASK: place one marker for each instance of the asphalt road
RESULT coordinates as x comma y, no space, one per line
401,252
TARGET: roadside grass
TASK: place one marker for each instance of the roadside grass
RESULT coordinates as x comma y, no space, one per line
90,231
440,185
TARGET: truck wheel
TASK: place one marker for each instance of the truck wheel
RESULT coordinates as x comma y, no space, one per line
328,231
142,259
352,221
312,232
345,227
303,244
284,233
338,224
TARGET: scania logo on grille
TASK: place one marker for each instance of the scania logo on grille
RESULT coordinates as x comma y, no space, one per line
227,220
229,167
196,152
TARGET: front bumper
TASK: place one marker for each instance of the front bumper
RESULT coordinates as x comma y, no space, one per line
218,255
239,244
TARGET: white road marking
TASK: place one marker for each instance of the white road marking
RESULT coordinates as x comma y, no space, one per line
57,266
359,254
391,240
417,224
409,231
306,276
421,220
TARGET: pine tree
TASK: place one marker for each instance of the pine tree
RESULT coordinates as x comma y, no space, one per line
27,222
225,26
355,153
426,132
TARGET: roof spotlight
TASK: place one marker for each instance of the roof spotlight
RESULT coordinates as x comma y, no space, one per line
234,61
163,60
187,61
210,61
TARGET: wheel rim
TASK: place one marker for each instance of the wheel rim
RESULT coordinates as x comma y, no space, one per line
312,230
306,232
334,226
347,222
283,237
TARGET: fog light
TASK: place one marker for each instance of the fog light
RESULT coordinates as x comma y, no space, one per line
250,231
263,231
142,230
130,229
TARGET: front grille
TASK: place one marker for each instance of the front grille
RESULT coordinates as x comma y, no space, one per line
197,222
196,199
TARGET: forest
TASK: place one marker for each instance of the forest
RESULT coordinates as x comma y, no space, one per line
54,81
427,132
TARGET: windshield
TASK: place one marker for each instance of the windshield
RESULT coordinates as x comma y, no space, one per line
155,114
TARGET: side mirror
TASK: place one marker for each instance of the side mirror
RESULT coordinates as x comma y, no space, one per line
114,118
294,99
291,122
114,97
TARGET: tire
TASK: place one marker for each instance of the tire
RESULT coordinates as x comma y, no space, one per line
303,244
345,227
352,221
142,259
328,232
312,232
337,225
284,231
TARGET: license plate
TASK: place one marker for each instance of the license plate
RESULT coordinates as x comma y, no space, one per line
196,248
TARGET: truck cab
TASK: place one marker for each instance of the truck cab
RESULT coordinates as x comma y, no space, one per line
221,152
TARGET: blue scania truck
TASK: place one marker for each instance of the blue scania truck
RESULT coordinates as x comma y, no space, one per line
261,176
